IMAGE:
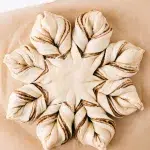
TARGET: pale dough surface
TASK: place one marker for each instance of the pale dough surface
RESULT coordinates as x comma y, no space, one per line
128,23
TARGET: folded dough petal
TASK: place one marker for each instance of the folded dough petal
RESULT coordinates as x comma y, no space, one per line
91,33
55,125
92,125
118,98
25,64
51,35
27,103
121,59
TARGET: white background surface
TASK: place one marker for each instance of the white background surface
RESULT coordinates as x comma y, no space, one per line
7,5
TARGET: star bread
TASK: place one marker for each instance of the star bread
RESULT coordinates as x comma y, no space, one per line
73,80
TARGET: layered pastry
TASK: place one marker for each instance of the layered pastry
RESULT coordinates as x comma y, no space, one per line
118,97
51,35
120,60
25,64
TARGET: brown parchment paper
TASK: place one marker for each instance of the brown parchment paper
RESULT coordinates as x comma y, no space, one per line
130,20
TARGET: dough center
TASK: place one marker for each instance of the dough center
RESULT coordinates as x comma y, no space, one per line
70,78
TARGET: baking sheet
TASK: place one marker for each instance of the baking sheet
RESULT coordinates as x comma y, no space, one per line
130,20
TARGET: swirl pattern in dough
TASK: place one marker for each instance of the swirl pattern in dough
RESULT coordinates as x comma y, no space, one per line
118,98
25,64
51,35
91,33
55,125
121,58
27,103
92,125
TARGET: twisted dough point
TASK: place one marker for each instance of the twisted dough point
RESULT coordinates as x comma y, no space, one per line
118,98
55,125
25,64
27,103
91,33
121,59
92,125
51,35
